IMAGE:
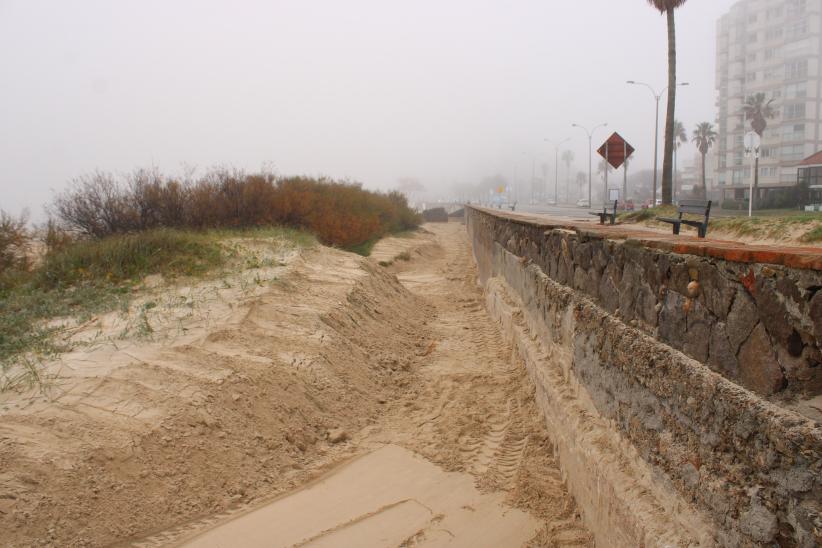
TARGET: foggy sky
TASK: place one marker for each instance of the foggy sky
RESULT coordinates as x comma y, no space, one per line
444,91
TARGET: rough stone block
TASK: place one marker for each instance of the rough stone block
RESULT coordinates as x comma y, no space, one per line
741,320
720,355
758,368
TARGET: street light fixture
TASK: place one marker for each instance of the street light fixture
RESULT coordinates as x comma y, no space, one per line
657,96
556,167
590,155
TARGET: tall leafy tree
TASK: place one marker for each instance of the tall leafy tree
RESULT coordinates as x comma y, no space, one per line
667,7
758,109
704,137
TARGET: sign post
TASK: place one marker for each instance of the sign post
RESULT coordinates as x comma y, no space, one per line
752,142
616,150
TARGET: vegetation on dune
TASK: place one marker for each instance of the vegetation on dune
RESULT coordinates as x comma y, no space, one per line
124,257
79,277
107,234
337,212
86,277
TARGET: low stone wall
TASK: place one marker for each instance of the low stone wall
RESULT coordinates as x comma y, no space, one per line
757,324
658,449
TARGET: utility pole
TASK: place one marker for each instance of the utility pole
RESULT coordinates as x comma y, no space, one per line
656,126
590,135
556,165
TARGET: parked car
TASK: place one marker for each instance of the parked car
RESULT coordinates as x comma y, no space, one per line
583,202
628,205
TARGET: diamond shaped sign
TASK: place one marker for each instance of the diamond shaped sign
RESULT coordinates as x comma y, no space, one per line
615,150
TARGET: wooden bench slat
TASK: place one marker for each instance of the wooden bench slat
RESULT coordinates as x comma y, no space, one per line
693,210
691,207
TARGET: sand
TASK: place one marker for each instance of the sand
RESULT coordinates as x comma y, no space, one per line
323,400
389,497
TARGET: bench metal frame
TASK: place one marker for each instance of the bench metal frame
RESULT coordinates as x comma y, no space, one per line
605,213
691,207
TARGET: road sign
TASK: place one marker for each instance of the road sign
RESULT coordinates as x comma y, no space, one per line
615,150
752,142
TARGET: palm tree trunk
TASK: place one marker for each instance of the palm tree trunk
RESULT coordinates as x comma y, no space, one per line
704,185
667,162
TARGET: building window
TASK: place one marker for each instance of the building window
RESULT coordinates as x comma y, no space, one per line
797,30
753,17
750,77
771,133
773,34
767,172
768,152
794,111
770,53
736,177
811,176
752,37
770,74
796,91
751,58
773,13
792,152
797,7
794,132
796,70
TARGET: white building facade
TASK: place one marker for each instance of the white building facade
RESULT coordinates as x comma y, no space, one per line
772,47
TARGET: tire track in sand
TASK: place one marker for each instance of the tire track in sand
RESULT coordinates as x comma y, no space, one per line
474,410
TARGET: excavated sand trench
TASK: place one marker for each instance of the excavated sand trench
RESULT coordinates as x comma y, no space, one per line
461,459
335,407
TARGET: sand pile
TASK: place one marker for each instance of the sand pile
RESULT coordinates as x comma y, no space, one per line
204,398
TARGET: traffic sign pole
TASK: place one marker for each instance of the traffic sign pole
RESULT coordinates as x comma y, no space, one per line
616,151
752,142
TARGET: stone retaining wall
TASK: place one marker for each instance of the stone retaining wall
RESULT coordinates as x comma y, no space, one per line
757,324
745,471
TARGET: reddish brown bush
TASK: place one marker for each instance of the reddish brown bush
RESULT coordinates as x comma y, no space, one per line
339,213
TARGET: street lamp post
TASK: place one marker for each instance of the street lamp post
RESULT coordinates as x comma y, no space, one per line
657,96
556,167
590,154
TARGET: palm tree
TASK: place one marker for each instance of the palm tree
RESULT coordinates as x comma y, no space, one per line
704,137
758,111
567,159
680,137
667,7
582,180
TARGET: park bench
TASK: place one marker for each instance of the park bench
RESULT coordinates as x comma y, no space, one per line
606,213
691,207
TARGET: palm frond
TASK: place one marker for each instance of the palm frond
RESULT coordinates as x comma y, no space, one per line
665,5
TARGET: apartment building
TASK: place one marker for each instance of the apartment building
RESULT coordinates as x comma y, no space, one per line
773,47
